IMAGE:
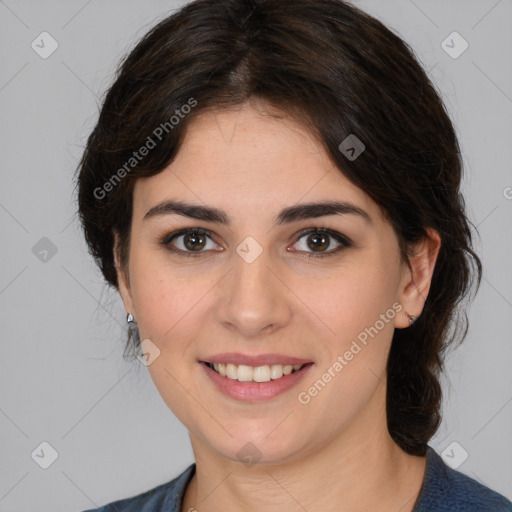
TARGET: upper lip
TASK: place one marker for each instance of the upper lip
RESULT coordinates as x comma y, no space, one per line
259,360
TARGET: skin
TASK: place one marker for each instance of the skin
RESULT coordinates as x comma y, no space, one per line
335,452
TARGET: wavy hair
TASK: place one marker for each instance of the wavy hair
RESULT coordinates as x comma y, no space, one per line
338,71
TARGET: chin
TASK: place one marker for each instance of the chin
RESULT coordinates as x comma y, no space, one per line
259,450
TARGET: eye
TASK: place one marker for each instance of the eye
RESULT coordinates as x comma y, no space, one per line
319,239
193,241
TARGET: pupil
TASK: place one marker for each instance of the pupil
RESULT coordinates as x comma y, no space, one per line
316,237
194,238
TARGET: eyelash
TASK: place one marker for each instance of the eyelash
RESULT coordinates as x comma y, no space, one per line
342,239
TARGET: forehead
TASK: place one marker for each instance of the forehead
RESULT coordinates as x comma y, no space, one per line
248,161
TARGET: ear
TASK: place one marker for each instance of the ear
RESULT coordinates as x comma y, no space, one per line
415,284
123,279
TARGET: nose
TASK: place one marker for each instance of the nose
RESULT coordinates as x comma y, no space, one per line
253,299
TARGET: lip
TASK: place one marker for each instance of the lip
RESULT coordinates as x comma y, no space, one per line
259,360
256,391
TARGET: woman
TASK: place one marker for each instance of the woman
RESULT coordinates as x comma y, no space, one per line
273,188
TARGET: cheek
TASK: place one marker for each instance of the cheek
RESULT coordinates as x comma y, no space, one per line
357,323
350,298
165,297
169,309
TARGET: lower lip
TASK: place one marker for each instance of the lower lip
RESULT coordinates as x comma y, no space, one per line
255,391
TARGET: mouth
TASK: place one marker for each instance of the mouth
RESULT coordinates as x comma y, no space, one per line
254,384
246,373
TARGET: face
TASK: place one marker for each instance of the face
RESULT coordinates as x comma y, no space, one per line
327,290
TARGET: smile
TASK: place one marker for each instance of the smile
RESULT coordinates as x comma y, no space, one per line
245,373
254,383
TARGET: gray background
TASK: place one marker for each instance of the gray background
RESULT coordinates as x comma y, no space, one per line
62,376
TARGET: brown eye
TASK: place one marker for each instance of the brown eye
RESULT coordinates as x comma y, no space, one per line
189,242
318,240
194,241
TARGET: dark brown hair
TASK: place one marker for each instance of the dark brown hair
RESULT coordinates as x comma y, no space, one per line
338,71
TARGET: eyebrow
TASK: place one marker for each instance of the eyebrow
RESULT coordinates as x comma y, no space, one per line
285,216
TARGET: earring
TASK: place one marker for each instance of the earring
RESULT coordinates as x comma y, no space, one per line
412,318
129,318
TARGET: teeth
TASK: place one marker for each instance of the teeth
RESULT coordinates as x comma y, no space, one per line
231,371
244,373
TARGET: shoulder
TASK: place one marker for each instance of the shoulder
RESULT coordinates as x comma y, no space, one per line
445,489
165,497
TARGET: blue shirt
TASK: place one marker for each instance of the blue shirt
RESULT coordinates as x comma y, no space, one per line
444,490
